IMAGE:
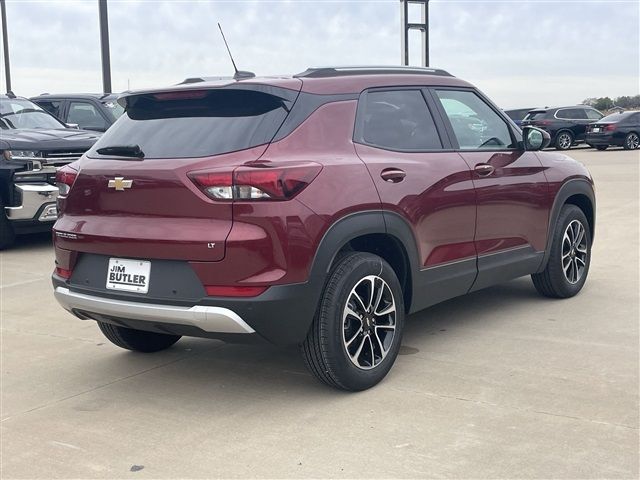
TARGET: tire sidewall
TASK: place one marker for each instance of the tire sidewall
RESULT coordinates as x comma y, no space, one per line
332,309
568,214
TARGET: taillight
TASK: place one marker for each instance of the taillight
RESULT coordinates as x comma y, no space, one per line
610,127
65,176
257,183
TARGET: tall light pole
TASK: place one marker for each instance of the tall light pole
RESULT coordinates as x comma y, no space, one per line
5,45
104,46
423,26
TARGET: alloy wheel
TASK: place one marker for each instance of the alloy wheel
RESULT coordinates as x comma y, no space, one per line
564,141
369,322
574,251
633,141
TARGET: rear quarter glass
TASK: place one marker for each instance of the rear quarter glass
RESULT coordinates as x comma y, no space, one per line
211,123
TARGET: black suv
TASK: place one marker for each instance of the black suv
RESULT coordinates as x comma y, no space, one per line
33,144
566,125
90,111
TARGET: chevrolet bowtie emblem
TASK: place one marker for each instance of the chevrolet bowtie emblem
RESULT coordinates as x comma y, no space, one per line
119,183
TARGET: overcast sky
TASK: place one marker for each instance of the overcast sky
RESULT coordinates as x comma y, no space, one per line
521,53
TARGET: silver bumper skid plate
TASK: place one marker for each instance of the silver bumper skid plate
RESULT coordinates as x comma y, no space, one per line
209,319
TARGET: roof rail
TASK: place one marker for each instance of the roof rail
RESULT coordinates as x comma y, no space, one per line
323,72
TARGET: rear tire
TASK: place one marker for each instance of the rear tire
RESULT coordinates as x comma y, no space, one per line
564,140
137,340
602,147
356,334
631,141
7,235
570,257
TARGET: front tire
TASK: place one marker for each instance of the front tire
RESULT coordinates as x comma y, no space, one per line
570,256
137,340
564,140
631,141
356,334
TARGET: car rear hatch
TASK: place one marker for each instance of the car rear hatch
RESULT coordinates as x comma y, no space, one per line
535,118
144,205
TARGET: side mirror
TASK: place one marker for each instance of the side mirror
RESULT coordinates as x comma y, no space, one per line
73,125
535,139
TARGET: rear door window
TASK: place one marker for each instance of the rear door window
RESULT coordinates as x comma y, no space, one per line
196,123
86,115
396,120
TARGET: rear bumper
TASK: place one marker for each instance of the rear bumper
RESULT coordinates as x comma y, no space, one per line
281,315
600,139
206,318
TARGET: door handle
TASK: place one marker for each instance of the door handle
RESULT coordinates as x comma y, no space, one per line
484,169
393,175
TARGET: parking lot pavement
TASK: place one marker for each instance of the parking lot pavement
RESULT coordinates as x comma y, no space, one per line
501,383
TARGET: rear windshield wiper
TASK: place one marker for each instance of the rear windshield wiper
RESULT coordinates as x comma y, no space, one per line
122,151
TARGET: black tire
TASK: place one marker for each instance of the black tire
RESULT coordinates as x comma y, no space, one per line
564,140
137,340
7,235
602,147
631,141
553,282
325,349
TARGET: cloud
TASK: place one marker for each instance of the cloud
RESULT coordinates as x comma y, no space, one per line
519,53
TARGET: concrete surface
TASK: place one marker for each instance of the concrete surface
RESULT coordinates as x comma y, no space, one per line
501,383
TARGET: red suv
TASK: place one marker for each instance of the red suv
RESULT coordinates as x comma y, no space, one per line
318,209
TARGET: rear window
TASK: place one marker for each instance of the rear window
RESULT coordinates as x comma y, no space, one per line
621,117
535,115
196,123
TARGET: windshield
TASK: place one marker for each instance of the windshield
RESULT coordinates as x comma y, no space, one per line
18,113
196,123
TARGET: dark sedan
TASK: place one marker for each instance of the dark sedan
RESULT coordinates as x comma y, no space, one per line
620,129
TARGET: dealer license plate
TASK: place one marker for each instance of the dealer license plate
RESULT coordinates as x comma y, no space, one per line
128,275
595,130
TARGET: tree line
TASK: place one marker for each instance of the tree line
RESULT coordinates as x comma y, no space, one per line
606,103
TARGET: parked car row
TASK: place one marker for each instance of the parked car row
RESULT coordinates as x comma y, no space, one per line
569,126
33,145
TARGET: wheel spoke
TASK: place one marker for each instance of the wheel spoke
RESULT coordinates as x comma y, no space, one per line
357,297
383,352
356,355
566,267
372,290
390,309
351,340
373,355
580,235
378,298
